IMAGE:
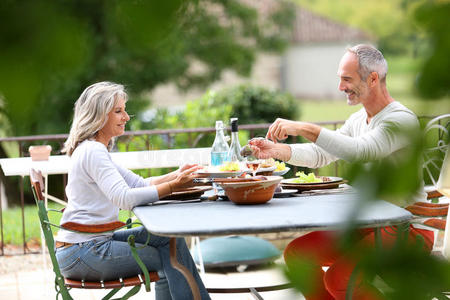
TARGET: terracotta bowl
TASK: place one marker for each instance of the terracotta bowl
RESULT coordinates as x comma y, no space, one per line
40,152
253,192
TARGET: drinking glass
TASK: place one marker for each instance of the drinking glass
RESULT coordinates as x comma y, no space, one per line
253,165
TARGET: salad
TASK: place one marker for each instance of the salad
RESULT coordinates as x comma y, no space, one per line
303,178
280,166
229,167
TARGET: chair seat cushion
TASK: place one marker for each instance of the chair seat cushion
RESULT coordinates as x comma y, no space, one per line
130,281
235,250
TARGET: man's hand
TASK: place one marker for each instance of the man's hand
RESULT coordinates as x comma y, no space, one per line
264,148
282,128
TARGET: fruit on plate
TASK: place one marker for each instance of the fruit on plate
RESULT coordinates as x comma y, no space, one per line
229,167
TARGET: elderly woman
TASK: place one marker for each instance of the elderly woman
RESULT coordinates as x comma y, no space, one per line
97,188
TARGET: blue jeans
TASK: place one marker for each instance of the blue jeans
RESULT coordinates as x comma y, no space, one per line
111,259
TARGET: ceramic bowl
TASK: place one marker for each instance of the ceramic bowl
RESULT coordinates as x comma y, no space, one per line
40,152
253,192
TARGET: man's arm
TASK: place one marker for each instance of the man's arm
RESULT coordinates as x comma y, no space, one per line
373,145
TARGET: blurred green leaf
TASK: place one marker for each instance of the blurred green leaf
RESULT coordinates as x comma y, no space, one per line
434,79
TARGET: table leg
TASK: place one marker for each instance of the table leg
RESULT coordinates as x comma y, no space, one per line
378,241
174,262
195,245
22,205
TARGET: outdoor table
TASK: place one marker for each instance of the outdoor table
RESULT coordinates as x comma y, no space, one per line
303,213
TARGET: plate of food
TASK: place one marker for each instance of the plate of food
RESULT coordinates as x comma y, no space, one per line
310,181
280,169
189,193
266,169
228,169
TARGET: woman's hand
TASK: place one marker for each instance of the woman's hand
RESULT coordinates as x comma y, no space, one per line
184,177
170,176
264,148
184,168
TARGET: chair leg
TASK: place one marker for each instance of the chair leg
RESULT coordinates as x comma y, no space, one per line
131,292
255,294
62,290
111,293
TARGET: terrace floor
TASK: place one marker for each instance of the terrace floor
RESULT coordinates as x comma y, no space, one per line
25,277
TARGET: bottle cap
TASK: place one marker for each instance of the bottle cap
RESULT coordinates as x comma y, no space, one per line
234,124
219,125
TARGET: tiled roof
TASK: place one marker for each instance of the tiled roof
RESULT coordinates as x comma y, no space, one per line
311,27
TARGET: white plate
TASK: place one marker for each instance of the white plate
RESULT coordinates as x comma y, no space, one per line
282,172
268,169
331,180
220,174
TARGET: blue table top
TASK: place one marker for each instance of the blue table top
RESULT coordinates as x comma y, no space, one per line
327,212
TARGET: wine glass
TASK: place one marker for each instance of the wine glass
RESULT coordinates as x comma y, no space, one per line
253,165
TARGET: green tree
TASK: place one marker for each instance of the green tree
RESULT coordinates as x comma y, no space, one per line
50,50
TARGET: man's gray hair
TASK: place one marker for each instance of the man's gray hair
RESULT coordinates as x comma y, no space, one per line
370,60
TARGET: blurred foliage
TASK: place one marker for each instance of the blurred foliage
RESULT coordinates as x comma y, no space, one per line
51,50
251,104
403,271
434,78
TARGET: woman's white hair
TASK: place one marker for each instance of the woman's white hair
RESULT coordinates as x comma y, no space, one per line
91,113
370,60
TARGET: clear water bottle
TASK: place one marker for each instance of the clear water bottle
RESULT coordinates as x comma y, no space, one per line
234,154
219,150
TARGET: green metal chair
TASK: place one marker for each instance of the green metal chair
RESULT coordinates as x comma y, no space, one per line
63,285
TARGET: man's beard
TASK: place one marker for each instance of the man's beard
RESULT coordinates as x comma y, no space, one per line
357,92
354,100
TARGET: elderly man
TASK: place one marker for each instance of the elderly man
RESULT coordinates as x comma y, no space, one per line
369,134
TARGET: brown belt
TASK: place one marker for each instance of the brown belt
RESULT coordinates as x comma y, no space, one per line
62,244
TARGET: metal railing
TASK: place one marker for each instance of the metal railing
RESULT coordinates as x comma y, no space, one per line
194,136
